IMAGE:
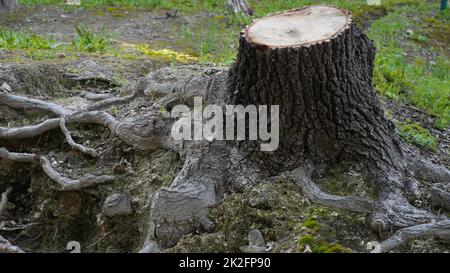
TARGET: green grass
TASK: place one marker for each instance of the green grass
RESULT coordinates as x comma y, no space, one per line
212,41
10,39
415,134
411,67
90,41
42,48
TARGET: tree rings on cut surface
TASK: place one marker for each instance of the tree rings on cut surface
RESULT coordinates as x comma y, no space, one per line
298,27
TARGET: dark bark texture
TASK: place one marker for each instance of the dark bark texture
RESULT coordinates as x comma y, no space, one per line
328,107
239,7
8,4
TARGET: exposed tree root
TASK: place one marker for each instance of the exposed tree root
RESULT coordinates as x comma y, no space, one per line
72,143
7,247
4,200
424,169
25,103
25,132
316,195
108,102
440,195
438,229
65,183
395,211
183,206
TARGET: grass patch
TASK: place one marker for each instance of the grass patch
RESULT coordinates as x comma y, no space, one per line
214,41
409,66
90,41
11,39
415,134
38,47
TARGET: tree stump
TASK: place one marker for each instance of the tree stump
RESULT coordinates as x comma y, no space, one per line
317,66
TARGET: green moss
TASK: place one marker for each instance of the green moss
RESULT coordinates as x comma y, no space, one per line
205,243
332,248
311,224
306,239
277,210
347,182
416,134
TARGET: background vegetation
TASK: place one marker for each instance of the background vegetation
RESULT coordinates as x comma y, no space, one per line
411,36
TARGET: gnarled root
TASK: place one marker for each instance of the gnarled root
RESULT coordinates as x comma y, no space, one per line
7,247
440,195
183,207
145,132
438,229
316,195
393,210
65,183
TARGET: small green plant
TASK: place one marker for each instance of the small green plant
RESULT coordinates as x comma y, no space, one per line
415,134
12,39
314,239
88,40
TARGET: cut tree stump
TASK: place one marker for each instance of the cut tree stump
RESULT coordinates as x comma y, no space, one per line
317,66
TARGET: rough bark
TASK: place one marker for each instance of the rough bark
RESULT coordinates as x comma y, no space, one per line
9,5
239,7
328,105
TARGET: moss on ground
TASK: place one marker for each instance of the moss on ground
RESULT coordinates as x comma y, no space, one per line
282,214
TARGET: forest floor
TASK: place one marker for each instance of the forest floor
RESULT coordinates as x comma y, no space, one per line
43,46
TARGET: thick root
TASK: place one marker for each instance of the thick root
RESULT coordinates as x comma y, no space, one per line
316,195
395,211
440,195
424,169
439,229
25,103
183,207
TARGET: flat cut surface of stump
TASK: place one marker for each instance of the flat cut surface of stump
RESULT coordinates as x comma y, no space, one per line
298,27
